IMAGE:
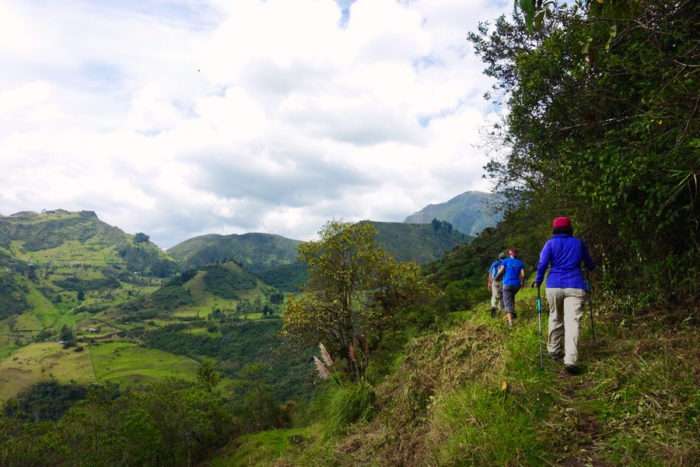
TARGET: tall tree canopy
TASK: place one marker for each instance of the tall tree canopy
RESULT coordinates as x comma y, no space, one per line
604,125
355,293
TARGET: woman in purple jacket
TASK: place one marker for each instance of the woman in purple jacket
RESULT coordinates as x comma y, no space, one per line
566,290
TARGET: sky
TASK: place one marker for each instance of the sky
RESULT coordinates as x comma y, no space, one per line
184,117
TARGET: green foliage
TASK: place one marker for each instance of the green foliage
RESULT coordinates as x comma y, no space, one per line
207,375
166,424
355,293
141,237
470,213
461,295
12,296
498,431
602,124
286,369
255,400
67,336
285,277
45,401
348,404
146,257
76,284
254,251
169,298
421,243
227,282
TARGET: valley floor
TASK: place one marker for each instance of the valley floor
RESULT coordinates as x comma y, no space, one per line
473,394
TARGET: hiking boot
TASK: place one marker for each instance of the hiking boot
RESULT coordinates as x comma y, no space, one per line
572,369
493,311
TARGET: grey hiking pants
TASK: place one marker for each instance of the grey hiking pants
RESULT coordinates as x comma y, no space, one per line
509,292
497,295
565,312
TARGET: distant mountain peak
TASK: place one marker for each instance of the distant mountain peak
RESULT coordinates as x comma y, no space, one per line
469,212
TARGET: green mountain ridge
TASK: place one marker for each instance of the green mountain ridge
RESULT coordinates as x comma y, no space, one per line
274,258
256,251
56,266
470,212
422,243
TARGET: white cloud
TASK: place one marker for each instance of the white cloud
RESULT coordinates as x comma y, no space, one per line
239,115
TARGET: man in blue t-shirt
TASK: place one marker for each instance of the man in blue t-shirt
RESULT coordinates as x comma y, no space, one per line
494,284
513,271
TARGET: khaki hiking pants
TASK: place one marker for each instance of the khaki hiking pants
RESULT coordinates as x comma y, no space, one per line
497,295
565,312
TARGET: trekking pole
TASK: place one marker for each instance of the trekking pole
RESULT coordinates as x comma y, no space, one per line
538,306
590,305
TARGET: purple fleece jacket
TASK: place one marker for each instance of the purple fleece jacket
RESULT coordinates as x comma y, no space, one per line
564,253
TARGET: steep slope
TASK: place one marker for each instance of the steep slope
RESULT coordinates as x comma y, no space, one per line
56,266
55,239
470,213
421,243
474,394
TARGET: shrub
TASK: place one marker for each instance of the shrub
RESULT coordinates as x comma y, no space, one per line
350,404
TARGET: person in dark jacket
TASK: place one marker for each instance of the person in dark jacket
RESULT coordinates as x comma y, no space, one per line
563,254
513,271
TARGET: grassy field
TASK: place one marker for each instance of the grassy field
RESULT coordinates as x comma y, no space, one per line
124,363
42,361
127,363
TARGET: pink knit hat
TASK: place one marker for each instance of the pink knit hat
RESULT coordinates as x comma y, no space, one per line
562,222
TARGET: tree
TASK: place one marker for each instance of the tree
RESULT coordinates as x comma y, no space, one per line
602,125
207,375
67,336
354,294
141,237
267,310
81,295
255,401
277,298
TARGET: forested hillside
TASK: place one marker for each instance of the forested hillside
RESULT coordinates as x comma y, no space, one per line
59,266
274,258
470,212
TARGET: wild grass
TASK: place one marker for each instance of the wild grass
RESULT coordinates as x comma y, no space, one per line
474,394
264,448
348,404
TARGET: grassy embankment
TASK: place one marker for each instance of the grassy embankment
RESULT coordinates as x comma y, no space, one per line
473,394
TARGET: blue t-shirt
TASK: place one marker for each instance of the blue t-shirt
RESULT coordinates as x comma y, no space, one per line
512,274
493,269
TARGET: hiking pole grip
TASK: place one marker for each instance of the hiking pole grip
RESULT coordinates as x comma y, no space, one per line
538,306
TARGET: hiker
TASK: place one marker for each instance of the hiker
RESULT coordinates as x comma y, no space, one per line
566,290
513,271
495,286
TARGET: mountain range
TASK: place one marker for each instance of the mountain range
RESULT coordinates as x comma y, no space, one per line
64,273
470,212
